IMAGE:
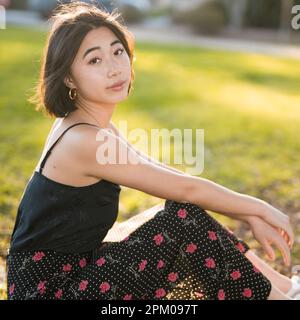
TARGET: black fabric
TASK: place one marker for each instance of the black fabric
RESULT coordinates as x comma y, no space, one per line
181,253
64,218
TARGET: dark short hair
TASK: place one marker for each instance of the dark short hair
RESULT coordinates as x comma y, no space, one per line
69,25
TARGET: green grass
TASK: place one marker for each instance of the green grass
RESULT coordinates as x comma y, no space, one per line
247,104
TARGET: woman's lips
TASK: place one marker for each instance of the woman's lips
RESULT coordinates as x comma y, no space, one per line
118,88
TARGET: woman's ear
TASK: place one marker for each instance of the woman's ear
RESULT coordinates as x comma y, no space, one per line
69,82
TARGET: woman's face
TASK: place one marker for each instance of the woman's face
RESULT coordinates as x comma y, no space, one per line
100,62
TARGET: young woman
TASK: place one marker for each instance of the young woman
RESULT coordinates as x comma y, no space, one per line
70,203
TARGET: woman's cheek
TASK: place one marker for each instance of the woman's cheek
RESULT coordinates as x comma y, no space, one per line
92,84
92,91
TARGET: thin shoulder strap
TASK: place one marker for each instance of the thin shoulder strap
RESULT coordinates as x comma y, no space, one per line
49,151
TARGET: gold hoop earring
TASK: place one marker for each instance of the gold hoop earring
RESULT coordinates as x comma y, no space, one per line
72,94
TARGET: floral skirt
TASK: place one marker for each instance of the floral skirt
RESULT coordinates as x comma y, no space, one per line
179,253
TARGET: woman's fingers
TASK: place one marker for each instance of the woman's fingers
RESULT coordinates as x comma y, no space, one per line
285,236
267,234
285,251
290,234
283,247
288,241
268,250
287,228
282,221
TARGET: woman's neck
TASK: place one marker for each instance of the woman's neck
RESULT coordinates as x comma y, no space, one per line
101,119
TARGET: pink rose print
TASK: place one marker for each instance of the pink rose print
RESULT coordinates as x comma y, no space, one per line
104,286
83,284
235,274
172,276
191,248
212,235
240,247
41,287
142,265
127,297
247,293
158,239
159,293
182,213
221,294
12,289
67,267
100,261
210,263
125,239
199,295
160,264
58,294
82,263
38,256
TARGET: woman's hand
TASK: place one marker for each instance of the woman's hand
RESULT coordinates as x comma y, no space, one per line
271,227
267,235
280,221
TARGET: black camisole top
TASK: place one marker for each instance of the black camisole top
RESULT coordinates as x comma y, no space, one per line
64,218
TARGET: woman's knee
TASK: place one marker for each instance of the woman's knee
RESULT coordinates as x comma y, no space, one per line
175,205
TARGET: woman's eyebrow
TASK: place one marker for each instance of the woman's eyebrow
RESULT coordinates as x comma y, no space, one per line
99,48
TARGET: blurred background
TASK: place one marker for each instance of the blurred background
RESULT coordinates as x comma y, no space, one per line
230,67
265,19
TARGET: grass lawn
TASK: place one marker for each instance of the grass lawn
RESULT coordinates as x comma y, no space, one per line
247,104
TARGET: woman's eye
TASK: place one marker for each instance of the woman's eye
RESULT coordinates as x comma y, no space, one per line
122,50
93,61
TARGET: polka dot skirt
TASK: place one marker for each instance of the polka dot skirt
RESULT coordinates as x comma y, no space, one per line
180,253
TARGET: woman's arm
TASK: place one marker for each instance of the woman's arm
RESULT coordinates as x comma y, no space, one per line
146,176
253,205
223,200
256,207
140,153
